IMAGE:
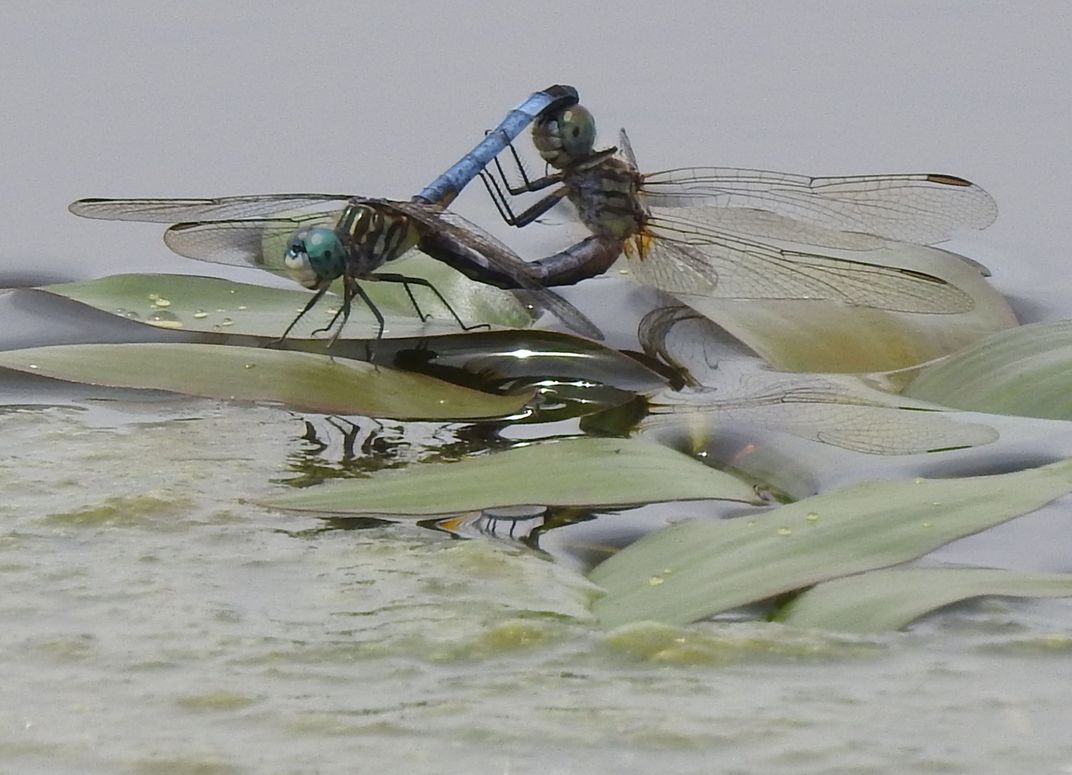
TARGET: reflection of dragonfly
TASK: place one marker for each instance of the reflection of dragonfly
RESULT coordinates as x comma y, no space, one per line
823,410
701,230
322,244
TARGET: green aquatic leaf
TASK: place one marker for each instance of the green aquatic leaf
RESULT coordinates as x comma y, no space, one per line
890,599
568,472
300,380
822,336
212,305
1024,371
699,568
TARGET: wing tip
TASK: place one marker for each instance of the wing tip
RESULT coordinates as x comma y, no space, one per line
84,207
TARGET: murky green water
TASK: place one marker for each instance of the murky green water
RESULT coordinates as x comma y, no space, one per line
156,620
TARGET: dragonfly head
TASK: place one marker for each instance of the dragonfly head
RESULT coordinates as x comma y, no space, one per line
565,137
314,256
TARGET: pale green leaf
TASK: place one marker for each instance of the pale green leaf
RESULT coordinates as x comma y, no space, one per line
890,599
295,379
1024,371
212,305
568,472
699,568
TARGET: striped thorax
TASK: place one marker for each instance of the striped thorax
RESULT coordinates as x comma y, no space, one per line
373,237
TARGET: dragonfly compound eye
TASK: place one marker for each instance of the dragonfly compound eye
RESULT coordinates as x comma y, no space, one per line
567,138
314,254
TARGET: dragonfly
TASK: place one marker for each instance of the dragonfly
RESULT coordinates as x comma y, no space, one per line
707,230
332,236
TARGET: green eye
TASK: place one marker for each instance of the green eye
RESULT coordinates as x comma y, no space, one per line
566,138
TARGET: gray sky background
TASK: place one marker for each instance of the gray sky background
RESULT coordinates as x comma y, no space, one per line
182,99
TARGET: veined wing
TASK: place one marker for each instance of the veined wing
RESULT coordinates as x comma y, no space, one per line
747,269
829,413
221,209
479,249
259,242
917,208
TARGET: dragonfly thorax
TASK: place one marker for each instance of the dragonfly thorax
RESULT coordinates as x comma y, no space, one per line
315,256
566,137
375,233
607,197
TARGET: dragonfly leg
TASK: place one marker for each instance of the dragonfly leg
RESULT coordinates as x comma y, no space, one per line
352,288
407,281
308,306
527,184
359,291
421,314
526,217
343,311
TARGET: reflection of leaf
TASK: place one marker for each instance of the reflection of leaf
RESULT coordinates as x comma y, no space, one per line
831,412
1024,371
696,569
212,305
890,599
579,471
300,380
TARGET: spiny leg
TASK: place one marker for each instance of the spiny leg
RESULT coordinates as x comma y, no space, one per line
344,306
498,190
528,184
309,305
351,288
405,281
370,346
359,291
506,212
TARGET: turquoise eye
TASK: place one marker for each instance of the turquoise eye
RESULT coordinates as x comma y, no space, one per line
314,254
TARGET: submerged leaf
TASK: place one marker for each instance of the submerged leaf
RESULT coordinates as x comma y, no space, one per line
568,472
295,379
699,568
890,599
1024,371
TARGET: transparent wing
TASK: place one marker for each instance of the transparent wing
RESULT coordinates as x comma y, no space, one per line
918,208
476,248
823,411
746,269
221,209
258,242
625,149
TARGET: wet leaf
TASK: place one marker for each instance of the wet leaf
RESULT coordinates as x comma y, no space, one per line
212,305
568,472
699,568
890,599
1024,371
295,379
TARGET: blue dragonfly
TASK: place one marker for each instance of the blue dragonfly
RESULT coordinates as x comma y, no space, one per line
707,230
332,236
